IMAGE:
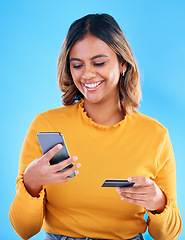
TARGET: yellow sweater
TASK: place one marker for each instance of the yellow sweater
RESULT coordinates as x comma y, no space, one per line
137,146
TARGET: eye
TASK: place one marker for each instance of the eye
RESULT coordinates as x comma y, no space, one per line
99,64
77,66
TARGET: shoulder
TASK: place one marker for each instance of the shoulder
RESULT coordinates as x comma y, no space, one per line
67,111
146,123
55,117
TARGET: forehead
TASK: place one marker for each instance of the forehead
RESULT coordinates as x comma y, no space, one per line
90,46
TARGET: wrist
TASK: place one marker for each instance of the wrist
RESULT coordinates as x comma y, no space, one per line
32,189
161,208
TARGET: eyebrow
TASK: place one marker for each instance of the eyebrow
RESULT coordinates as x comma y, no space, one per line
96,56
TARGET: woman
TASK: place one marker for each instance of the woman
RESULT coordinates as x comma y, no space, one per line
99,78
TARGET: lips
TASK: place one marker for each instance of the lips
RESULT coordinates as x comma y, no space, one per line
92,86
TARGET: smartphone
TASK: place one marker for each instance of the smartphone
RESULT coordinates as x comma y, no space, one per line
48,140
117,183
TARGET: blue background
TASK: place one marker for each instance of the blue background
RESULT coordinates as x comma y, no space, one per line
32,33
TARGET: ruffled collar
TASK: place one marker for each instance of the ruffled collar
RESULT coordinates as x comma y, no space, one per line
91,122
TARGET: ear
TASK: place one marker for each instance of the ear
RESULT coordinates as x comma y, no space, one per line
123,67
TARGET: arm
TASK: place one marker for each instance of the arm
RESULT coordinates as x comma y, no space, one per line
168,223
28,208
27,212
158,195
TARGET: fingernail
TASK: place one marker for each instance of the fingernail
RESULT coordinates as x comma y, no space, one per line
129,179
59,146
77,172
74,158
78,165
118,190
122,198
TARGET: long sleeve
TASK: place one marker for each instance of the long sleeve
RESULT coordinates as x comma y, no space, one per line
137,146
168,224
27,212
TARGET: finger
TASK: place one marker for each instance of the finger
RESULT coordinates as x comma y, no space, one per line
71,170
136,196
59,166
48,156
138,190
140,181
64,176
134,201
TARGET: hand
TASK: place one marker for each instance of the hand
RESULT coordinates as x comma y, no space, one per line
145,193
40,172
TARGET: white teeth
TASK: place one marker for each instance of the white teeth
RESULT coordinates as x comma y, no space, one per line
92,85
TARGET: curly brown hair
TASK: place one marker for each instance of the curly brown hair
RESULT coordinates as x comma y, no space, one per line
105,28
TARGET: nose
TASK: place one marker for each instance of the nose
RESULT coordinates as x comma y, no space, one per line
89,72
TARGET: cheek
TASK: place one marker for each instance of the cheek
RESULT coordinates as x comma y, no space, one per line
75,75
76,79
114,75
72,73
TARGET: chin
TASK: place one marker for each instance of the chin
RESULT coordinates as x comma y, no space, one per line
93,100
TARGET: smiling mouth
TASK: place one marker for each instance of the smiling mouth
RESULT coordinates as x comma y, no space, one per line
92,86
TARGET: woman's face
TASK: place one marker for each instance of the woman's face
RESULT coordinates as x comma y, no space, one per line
95,69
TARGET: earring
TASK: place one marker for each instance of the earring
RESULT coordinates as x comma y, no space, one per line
123,73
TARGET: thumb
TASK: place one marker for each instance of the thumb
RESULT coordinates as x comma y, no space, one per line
140,181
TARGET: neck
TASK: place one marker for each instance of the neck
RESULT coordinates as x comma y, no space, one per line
105,113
